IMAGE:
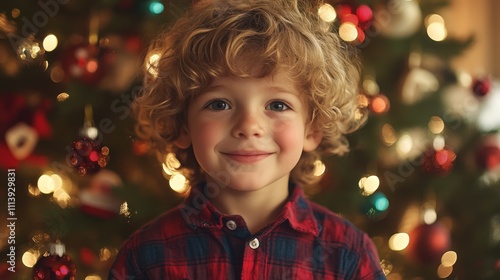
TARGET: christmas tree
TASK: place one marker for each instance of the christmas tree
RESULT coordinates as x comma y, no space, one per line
422,178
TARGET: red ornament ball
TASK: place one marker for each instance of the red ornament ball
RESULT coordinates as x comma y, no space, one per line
54,266
438,162
488,157
481,87
87,156
364,13
428,243
87,63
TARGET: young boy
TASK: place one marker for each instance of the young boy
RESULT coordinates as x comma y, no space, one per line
248,95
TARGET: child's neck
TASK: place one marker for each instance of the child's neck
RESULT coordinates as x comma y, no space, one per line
258,208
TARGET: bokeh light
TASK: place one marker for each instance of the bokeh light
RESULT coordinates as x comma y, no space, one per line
380,104
152,64
444,271
50,42
46,184
437,31
319,168
156,7
348,32
399,241
369,184
436,125
178,183
327,13
30,257
389,136
430,216
449,259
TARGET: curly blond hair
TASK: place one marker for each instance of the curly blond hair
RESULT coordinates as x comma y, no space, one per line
212,39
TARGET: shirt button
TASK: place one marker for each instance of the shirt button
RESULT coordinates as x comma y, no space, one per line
254,244
231,225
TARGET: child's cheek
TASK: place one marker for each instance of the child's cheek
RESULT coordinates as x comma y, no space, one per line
288,134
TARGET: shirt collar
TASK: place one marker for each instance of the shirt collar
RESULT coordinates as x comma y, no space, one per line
198,211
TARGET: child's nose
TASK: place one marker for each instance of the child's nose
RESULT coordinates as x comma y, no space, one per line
248,124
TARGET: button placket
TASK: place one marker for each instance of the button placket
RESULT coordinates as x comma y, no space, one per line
231,225
254,243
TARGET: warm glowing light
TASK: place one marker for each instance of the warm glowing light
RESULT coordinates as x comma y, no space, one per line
369,184
449,259
152,64
50,42
430,216
92,66
438,143
30,257
327,13
370,86
388,135
464,79
57,181
386,266
319,168
394,276
437,31
399,241
433,18
61,197
363,101
124,210
104,254
404,144
33,190
46,184
93,277
172,162
57,74
380,104
15,12
444,272
436,125
348,32
178,183
62,96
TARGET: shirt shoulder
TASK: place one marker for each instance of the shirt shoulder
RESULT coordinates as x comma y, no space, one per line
339,234
164,227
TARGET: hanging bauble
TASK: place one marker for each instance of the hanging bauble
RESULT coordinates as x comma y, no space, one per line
488,153
418,84
438,162
481,86
54,265
87,156
401,18
428,243
98,199
375,206
85,62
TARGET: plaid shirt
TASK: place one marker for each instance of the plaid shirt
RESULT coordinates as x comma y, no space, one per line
196,241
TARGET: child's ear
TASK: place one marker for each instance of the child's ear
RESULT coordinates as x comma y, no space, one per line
312,139
184,139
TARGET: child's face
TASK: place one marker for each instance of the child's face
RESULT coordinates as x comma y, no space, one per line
249,133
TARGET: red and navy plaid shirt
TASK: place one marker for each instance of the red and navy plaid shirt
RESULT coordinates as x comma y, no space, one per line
196,241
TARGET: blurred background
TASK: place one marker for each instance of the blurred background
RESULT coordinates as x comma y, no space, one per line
422,178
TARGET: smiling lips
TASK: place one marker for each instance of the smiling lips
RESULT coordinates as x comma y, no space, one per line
247,156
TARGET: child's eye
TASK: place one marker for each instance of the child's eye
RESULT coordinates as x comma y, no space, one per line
278,106
218,105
